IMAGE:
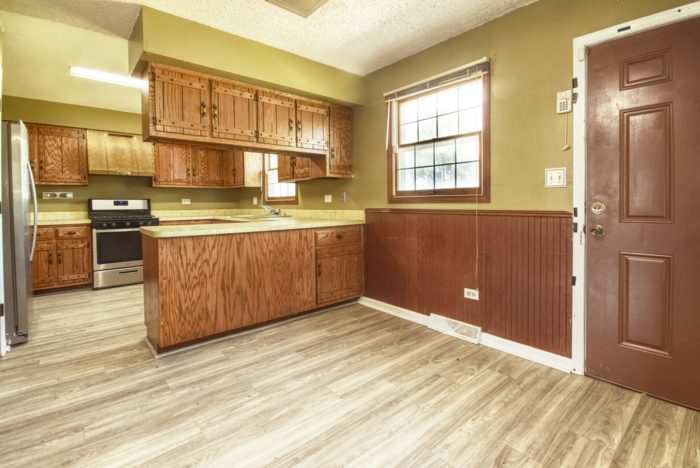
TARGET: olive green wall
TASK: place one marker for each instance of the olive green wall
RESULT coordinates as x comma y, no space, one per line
531,57
167,38
100,186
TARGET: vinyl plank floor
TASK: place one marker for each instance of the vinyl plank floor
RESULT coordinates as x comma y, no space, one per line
346,387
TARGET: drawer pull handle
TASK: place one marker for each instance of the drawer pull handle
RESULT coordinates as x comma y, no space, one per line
71,233
339,235
318,269
128,271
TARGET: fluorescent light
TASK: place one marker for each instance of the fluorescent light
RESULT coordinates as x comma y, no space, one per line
106,77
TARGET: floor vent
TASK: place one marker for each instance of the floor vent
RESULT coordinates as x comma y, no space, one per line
461,330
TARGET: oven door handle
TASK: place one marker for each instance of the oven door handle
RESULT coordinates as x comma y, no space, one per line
100,231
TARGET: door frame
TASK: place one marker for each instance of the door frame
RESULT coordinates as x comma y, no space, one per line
578,317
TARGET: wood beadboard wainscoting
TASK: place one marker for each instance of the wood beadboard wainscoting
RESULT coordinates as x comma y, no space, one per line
422,260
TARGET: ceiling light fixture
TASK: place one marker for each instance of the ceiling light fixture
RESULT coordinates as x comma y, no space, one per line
303,8
97,75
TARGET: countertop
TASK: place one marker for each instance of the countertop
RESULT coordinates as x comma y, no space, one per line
242,224
60,222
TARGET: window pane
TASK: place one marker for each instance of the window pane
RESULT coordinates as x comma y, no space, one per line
447,125
409,133
426,129
409,111
272,177
424,155
470,94
272,161
407,179
406,158
445,152
427,106
447,101
468,175
445,176
424,178
468,148
470,120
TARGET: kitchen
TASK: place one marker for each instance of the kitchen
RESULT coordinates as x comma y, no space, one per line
377,247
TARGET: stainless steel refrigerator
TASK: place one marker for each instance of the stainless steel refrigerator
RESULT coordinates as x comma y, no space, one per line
18,239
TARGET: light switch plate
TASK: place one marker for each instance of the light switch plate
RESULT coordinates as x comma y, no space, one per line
186,201
255,200
328,198
342,197
555,177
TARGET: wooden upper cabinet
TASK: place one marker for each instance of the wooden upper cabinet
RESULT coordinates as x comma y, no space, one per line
234,168
312,125
172,165
341,135
276,119
207,167
116,153
179,103
234,111
58,155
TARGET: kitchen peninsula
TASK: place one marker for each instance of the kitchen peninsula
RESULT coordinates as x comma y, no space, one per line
205,280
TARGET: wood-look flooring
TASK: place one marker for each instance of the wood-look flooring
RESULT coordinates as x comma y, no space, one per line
352,386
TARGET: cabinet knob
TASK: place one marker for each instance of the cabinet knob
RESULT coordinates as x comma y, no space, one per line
339,235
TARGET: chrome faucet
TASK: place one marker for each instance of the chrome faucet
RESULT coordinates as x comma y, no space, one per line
272,211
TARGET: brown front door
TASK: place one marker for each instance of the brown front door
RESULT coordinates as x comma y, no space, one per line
643,212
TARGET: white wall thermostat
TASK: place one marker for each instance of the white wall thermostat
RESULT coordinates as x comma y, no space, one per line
564,102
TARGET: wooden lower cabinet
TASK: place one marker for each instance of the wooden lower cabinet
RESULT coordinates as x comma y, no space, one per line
63,257
203,286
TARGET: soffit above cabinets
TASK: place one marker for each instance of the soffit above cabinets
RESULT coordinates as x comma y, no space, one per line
358,36
303,8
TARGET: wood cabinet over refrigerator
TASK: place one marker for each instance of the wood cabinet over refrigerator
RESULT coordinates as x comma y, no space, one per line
58,155
197,108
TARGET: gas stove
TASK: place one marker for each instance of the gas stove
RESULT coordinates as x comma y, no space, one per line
117,257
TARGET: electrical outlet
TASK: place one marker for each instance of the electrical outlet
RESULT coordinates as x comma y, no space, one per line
53,195
186,201
255,200
472,294
328,198
342,197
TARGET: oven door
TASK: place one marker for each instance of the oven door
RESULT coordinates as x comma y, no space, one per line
116,248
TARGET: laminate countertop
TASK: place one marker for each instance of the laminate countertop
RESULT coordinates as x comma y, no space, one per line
242,224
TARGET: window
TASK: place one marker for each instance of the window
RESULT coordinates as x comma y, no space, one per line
440,141
273,190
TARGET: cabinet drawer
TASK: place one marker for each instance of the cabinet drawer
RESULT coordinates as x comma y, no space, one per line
341,235
338,250
72,232
44,234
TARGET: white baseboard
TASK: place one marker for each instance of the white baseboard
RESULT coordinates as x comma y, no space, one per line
400,312
539,356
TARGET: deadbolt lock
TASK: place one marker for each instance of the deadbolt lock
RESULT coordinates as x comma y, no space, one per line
598,208
598,231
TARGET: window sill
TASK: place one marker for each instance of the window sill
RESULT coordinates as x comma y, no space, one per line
461,198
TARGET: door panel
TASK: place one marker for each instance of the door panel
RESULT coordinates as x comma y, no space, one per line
180,102
207,167
44,265
276,119
233,168
172,164
74,262
234,111
340,157
643,261
312,125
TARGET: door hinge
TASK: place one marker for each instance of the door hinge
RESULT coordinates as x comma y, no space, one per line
575,212
153,119
573,281
574,83
575,227
153,76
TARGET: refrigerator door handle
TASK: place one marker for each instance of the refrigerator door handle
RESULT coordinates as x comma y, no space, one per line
36,211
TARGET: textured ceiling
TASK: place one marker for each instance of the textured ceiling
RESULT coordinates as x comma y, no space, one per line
358,36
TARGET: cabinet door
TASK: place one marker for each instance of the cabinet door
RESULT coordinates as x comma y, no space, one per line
302,167
312,125
234,168
285,168
276,119
339,272
179,102
144,157
207,167
44,265
234,112
73,262
61,155
340,154
172,164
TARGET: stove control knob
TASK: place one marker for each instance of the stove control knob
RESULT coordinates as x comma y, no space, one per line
103,225
113,225
142,223
127,224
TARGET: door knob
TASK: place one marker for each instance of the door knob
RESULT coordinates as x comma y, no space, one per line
598,231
